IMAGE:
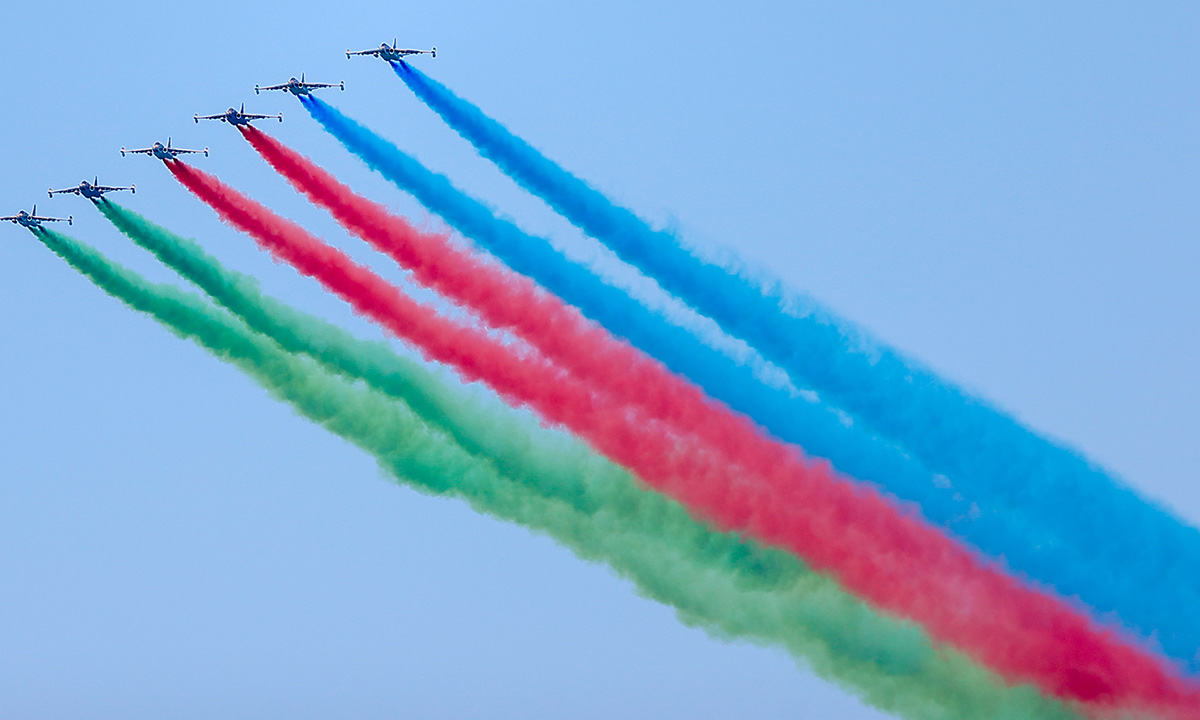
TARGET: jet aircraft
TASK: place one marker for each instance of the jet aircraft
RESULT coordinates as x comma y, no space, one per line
237,117
162,152
92,190
299,87
33,220
391,53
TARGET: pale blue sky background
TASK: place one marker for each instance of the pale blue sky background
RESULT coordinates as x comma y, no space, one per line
1008,192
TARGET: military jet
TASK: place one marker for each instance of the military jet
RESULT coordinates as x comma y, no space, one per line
92,190
299,87
237,117
391,53
33,220
162,152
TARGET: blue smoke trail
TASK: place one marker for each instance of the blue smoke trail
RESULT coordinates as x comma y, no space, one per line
1024,546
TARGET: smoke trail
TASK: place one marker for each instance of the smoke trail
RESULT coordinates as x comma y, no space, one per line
988,456
893,561
1023,545
645,538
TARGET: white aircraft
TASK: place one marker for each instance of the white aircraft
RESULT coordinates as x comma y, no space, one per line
299,87
391,52
92,190
33,220
163,152
237,117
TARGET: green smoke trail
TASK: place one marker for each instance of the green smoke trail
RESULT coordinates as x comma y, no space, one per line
646,538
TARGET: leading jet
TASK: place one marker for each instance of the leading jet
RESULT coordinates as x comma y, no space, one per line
92,190
391,53
163,152
299,87
237,117
32,220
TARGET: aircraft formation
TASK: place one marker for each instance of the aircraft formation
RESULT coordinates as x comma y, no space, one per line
235,117
689,397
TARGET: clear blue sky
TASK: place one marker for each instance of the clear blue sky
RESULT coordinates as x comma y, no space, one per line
1010,194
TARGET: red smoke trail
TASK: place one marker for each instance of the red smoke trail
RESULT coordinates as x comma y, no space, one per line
894,561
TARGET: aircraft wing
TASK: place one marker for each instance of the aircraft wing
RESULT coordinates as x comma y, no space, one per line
270,87
253,116
65,190
181,151
198,118
10,218
372,51
39,218
142,151
322,85
110,188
